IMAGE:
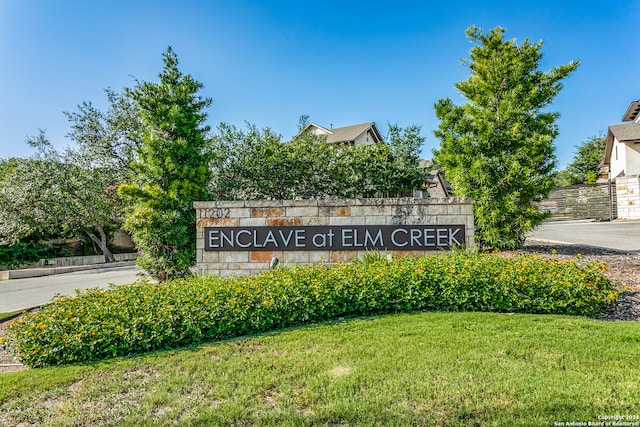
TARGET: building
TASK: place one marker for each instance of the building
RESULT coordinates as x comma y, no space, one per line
354,135
621,162
435,185
622,152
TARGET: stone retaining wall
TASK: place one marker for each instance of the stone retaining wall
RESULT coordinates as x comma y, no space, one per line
310,214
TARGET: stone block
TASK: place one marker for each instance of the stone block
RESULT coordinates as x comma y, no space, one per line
233,256
453,210
247,266
318,256
302,211
282,222
414,253
220,204
296,257
452,219
209,257
337,256
267,212
217,222
371,210
346,220
265,256
264,203
302,203
439,209
327,211
253,222
376,220
318,220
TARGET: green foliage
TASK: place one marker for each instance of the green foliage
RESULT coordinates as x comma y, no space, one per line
498,147
58,194
22,253
109,138
418,369
141,317
171,171
257,164
585,165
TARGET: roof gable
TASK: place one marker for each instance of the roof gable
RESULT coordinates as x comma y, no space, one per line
632,112
346,134
627,132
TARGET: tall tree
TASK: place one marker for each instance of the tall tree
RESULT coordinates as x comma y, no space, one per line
61,194
171,171
498,147
585,165
257,164
405,145
110,138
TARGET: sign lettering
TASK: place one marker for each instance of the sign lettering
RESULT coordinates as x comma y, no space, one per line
339,237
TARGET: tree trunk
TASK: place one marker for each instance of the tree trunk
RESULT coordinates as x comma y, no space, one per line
102,243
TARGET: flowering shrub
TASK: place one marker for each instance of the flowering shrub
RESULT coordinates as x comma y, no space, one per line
144,316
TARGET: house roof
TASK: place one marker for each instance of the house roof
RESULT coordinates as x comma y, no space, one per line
627,132
632,112
347,133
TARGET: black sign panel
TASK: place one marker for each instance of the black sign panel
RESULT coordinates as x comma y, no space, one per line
337,237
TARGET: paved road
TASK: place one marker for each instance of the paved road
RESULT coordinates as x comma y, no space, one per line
18,294
620,235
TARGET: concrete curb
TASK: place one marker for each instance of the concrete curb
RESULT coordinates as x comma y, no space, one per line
558,242
47,271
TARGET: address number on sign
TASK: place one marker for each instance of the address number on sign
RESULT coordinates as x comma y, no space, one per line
215,213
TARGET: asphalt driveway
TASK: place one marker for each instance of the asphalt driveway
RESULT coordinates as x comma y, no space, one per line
618,235
19,294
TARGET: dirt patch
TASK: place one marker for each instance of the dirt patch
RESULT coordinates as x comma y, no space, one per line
340,371
8,362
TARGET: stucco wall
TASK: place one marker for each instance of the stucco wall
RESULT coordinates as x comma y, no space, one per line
632,159
309,213
618,158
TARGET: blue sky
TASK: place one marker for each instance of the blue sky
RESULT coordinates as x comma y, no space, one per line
340,62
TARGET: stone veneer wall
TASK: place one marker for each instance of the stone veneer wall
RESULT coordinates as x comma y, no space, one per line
628,197
333,212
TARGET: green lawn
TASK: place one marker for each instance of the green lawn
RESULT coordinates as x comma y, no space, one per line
5,316
446,369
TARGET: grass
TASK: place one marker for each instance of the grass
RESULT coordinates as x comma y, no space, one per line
9,315
446,369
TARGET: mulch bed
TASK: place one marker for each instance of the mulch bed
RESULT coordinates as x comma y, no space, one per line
623,267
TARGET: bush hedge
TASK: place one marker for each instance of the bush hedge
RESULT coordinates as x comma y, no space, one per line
144,316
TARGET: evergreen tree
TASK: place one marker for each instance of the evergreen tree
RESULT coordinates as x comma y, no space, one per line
172,171
585,165
498,147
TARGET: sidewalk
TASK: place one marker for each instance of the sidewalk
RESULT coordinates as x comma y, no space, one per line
69,265
48,271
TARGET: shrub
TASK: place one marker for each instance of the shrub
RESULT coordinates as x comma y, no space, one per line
22,253
144,316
